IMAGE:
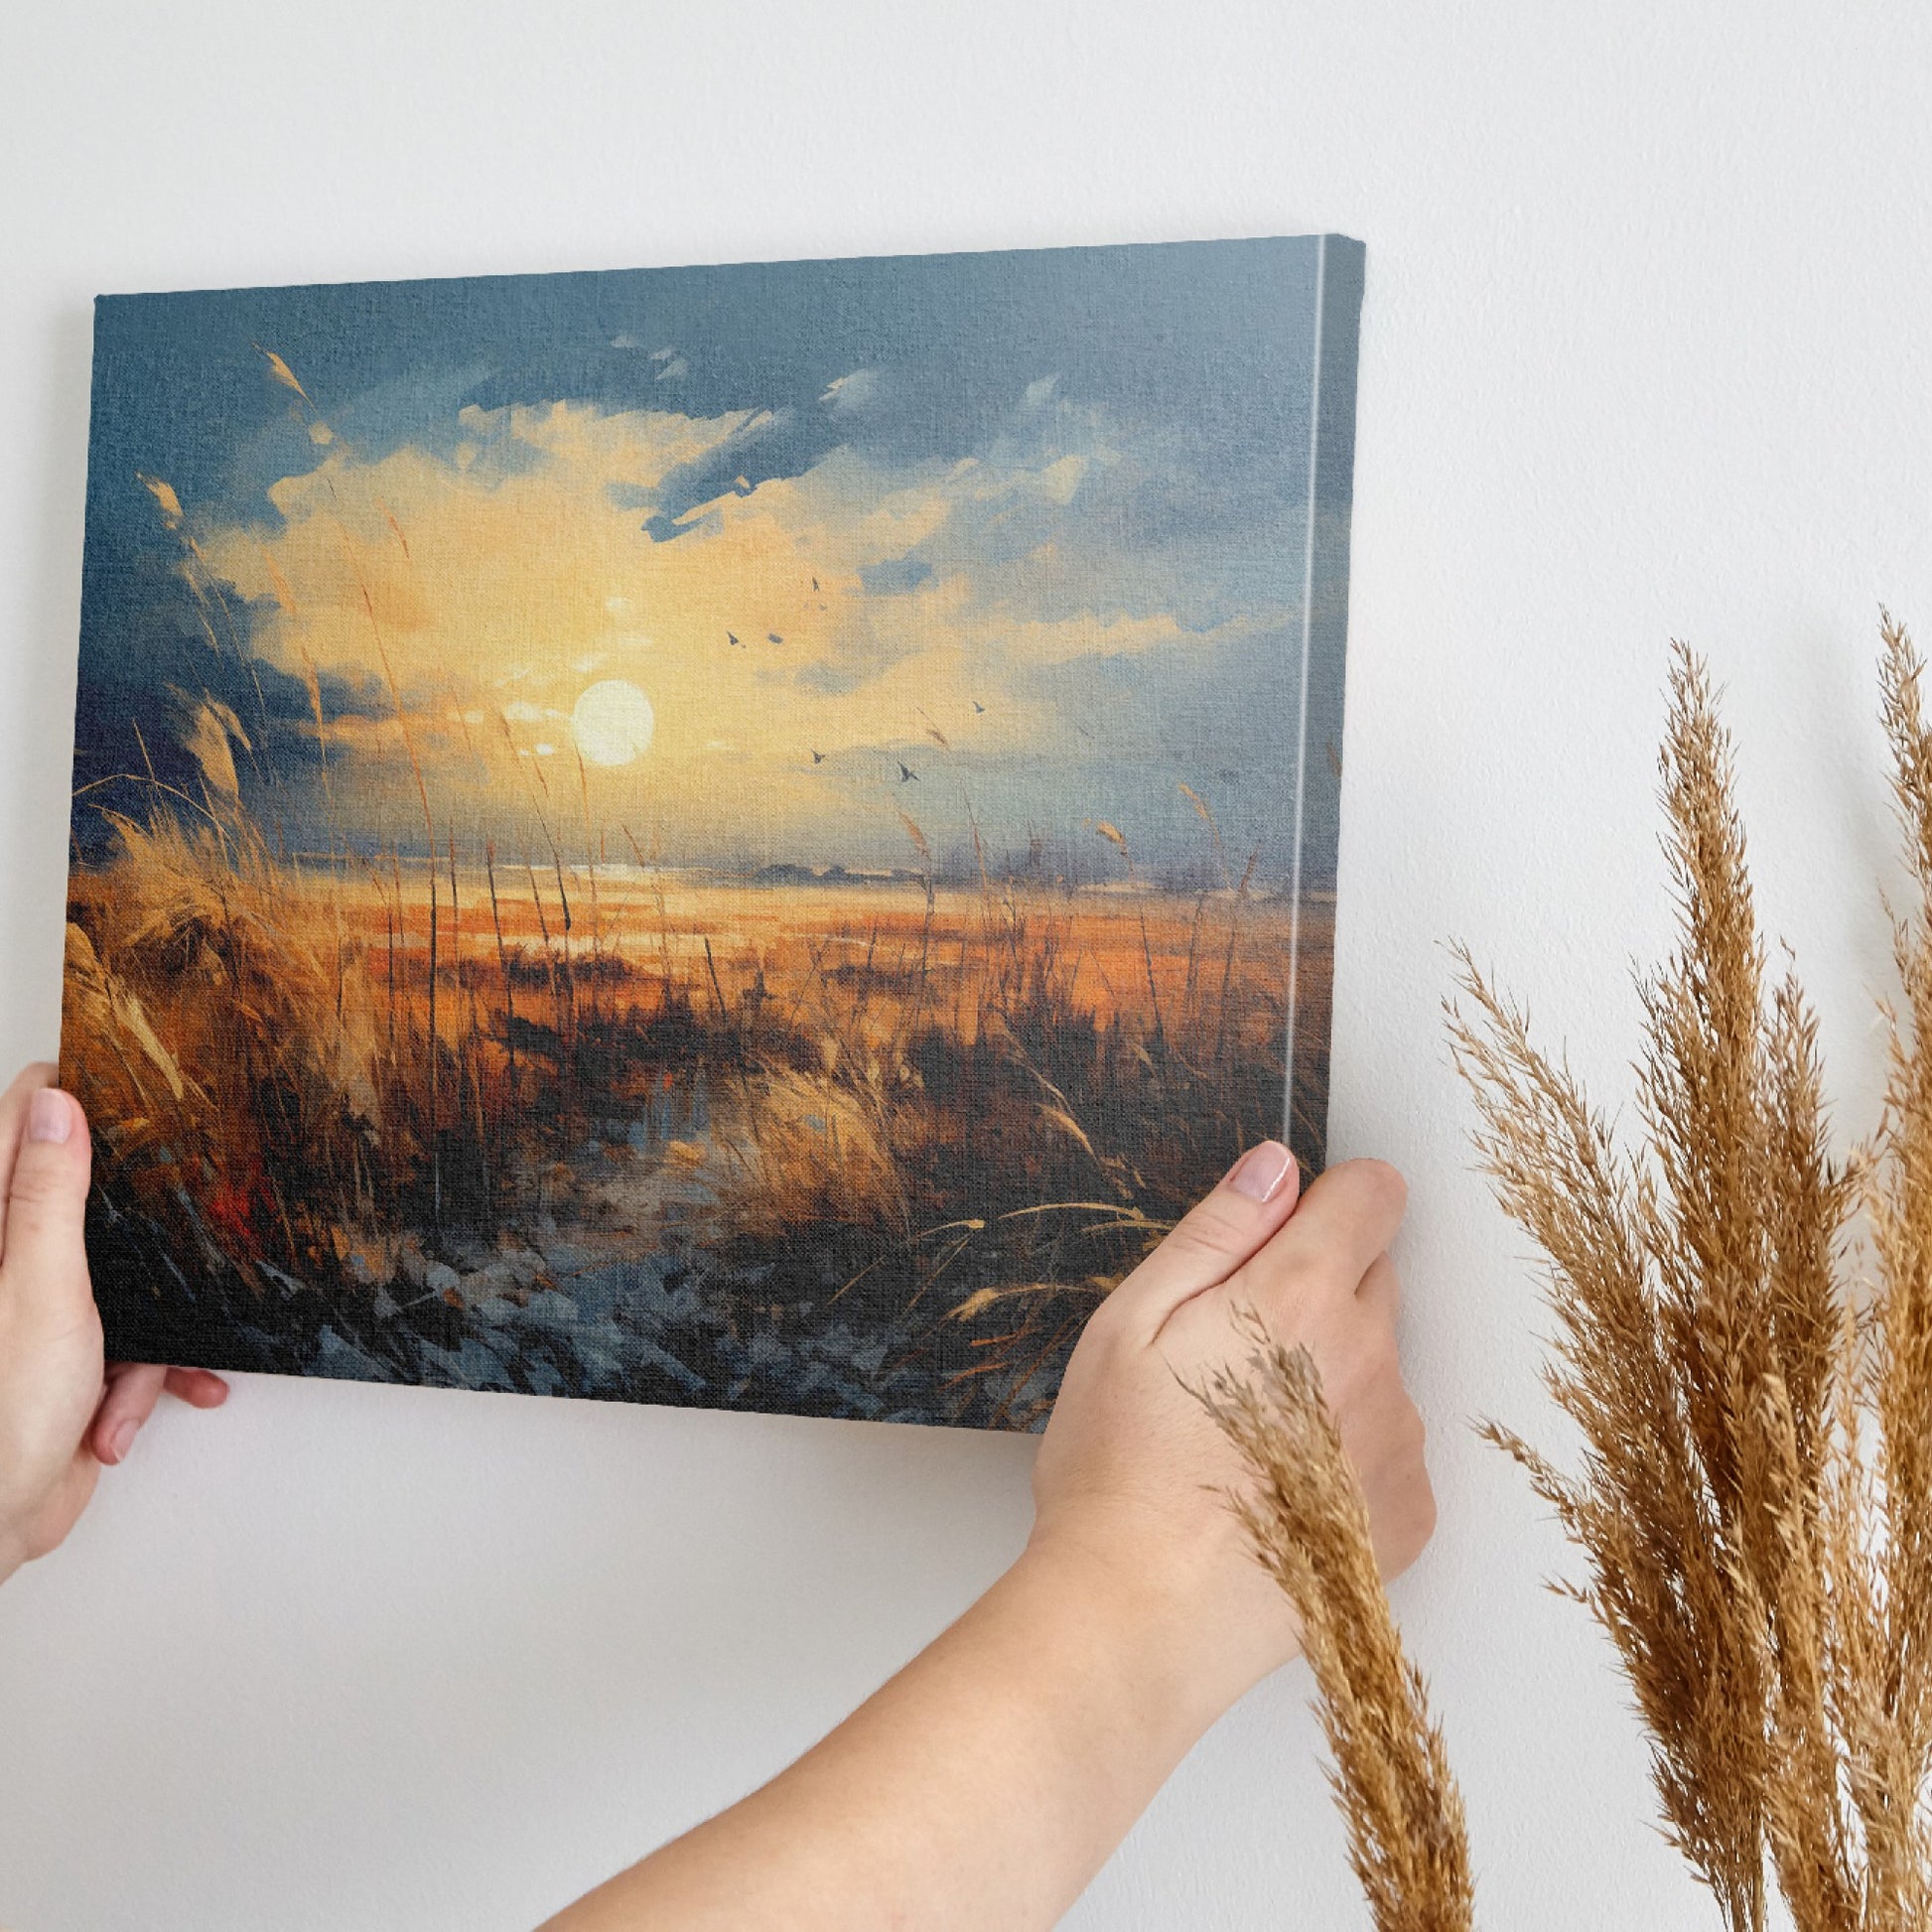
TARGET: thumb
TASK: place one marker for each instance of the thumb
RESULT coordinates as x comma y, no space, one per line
44,1259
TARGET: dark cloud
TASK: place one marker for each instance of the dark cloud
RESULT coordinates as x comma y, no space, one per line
170,650
1157,334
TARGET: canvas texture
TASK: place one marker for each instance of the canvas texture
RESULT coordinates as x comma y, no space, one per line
743,836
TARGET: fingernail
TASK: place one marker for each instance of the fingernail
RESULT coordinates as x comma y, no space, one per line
1259,1172
122,1438
50,1115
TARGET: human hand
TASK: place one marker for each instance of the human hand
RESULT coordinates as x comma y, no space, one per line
1044,1718
64,1411
1130,1479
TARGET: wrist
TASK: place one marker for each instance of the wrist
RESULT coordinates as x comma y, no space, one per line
1164,1642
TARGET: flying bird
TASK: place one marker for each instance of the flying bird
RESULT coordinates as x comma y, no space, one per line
907,775
774,637
819,757
730,637
977,706
814,583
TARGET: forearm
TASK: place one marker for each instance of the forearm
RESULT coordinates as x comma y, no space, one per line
984,1785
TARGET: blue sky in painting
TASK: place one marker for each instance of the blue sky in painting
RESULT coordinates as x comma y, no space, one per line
1056,498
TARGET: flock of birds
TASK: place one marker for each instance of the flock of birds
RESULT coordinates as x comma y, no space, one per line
907,775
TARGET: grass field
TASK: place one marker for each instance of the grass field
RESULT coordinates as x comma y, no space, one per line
860,1148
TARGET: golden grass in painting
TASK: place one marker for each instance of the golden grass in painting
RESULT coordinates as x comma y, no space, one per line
980,1104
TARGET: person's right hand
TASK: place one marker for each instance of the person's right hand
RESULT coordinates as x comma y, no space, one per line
1133,1472
1044,1718
64,1413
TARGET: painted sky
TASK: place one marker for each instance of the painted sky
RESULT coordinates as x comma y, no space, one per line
756,542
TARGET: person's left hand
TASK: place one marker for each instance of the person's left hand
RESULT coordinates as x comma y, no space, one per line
64,1411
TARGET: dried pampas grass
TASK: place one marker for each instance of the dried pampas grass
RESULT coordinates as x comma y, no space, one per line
1309,1524
1754,1496
1753,1391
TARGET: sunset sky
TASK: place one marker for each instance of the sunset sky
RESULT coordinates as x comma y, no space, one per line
753,543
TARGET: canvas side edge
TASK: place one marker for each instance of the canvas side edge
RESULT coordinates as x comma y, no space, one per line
1321,746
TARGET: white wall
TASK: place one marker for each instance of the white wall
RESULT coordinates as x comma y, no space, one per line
1644,352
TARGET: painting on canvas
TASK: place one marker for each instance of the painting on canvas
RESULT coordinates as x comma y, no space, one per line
741,836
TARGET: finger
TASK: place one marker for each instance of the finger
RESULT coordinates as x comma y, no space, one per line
13,1126
199,1388
131,1395
44,1263
1346,1217
1254,1198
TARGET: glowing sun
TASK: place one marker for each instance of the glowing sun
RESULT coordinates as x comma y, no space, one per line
613,722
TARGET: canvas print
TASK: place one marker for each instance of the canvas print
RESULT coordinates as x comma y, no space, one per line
744,836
